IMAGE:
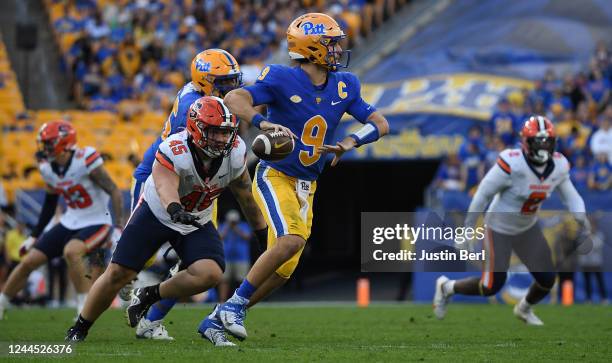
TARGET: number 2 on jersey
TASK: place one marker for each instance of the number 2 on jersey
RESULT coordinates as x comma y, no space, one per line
533,202
313,136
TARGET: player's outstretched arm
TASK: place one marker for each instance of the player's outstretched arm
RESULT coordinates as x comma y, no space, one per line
376,127
573,201
240,103
100,176
241,188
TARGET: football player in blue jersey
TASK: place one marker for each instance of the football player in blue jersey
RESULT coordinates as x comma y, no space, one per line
306,101
214,72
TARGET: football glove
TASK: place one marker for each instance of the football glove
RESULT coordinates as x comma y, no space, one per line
179,215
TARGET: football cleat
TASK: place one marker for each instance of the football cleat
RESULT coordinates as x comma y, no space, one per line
138,307
232,316
441,298
523,311
154,330
75,335
212,330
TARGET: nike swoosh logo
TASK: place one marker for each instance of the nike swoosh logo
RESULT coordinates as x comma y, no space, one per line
221,176
335,103
277,145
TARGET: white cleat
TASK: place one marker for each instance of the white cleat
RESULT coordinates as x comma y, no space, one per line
441,298
216,335
523,311
212,329
154,330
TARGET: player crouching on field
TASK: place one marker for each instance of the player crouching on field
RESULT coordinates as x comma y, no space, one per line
191,169
79,176
516,186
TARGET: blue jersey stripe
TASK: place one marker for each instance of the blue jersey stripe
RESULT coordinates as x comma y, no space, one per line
269,200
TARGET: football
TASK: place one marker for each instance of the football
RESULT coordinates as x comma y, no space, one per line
273,146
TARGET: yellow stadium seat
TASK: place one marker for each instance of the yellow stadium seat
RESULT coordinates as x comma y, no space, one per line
49,115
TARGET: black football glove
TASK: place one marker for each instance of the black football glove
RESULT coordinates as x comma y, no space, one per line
179,215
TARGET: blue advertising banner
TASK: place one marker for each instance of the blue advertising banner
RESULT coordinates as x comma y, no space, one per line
451,74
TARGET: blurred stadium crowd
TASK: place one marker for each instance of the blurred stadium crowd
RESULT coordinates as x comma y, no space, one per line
126,55
580,106
126,58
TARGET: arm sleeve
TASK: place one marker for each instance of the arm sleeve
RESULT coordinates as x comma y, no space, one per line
359,108
48,210
572,200
494,181
262,91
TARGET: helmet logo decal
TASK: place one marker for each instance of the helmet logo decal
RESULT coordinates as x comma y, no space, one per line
313,29
202,66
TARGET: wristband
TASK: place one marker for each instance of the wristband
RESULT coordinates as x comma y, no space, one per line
367,134
257,120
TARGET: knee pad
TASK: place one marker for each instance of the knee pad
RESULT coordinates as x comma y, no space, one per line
493,283
546,280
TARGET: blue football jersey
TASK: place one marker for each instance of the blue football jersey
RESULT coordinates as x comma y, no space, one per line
175,122
312,113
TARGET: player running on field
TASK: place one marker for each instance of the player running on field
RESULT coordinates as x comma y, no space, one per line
516,186
306,101
214,72
191,169
79,176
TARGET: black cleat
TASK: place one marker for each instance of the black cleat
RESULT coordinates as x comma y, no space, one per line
75,335
138,307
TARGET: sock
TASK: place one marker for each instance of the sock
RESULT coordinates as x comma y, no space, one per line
82,324
245,291
151,294
449,287
4,300
160,309
81,299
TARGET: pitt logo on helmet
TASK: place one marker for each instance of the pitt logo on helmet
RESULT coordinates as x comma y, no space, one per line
312,29
202,66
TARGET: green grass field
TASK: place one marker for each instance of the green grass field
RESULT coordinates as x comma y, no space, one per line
340,333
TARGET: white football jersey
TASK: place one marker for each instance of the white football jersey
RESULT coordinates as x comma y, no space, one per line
196,191
518,189
87,203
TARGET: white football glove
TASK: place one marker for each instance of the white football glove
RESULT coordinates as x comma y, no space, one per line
26,245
